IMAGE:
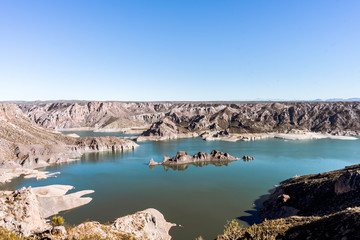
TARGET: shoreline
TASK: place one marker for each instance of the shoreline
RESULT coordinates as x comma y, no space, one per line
131,130
231,137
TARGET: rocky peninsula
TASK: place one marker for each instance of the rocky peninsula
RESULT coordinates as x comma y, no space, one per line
183,157
316,206
25,146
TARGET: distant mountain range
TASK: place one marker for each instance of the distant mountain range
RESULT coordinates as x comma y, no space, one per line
214,101
338,100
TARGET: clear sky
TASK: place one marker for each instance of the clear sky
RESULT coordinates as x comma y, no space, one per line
155,50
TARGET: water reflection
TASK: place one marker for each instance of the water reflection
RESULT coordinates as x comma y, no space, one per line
100,157
107,156
15,182
182,167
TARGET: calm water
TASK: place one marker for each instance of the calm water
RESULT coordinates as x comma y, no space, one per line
201,199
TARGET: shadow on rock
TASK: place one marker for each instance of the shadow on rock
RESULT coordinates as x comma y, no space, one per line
254,217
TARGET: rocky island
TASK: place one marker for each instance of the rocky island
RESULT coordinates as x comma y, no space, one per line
183,157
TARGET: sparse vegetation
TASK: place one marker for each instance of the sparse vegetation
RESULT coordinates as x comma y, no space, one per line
8,235
269,229
57,221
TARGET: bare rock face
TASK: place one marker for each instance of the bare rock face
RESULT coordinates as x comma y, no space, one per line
315,194
183,157
64,115
165,129
162,128
149,224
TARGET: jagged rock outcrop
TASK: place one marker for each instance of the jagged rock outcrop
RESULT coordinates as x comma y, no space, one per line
165,129
23,144
183,157
315,194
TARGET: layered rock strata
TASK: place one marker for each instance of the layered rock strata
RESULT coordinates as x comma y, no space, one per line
169,120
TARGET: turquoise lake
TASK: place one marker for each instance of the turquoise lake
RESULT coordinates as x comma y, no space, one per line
200,199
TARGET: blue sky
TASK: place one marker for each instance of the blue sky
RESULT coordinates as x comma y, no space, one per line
132,50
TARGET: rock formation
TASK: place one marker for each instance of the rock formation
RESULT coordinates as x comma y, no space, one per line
183,157
165,129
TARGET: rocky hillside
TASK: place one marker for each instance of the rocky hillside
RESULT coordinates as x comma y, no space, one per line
25,144
340,225
327,117
316,206
316,194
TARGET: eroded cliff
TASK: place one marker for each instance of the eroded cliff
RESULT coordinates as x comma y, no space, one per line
340,118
